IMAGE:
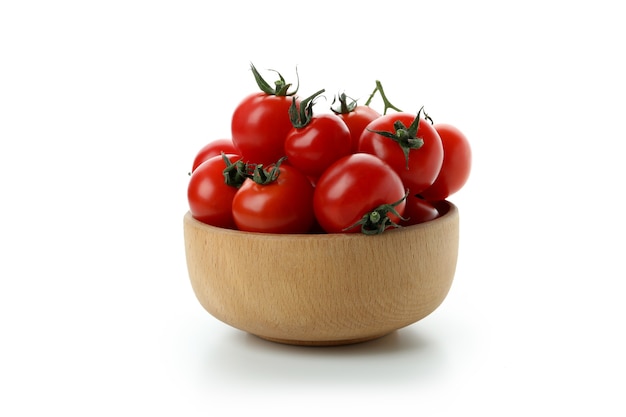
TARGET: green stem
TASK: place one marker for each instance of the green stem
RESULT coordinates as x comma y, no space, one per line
386,103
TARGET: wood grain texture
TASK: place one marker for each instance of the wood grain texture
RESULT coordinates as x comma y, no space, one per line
322,289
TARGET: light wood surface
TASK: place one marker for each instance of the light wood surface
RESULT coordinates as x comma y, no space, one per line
322,289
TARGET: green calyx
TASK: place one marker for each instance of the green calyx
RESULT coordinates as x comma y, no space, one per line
302,115
405,137
263,176
377,221
280,88
234,173
343,106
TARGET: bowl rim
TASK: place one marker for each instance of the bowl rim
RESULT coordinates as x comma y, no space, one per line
445,207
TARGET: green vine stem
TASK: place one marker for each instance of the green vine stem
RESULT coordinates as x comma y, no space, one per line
387,104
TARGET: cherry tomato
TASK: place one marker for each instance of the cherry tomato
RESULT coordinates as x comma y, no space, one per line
409,144
213,148
315,142
284,205
209,197
418,210
259,126
352,188
260,122
357,120
356,117
456,167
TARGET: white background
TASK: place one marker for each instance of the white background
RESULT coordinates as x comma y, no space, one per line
104,104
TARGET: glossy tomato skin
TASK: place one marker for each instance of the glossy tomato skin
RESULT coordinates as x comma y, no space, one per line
259,125
356,120
314,147
457,163
424,163
418,210
213,148
283,206
210,198
352,187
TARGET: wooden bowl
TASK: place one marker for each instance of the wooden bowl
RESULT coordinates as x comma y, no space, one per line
324,289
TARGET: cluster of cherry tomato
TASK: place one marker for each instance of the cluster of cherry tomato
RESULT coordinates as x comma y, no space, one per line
288,169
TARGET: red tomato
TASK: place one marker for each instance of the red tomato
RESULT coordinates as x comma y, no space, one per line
214,148
356,118
418,210
419,166
457,164
259,126
318,144
210,198
285,205
261,121
354,187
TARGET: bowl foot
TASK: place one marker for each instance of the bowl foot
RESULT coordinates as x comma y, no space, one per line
339,342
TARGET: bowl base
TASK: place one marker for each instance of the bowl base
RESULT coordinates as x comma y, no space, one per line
339,342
